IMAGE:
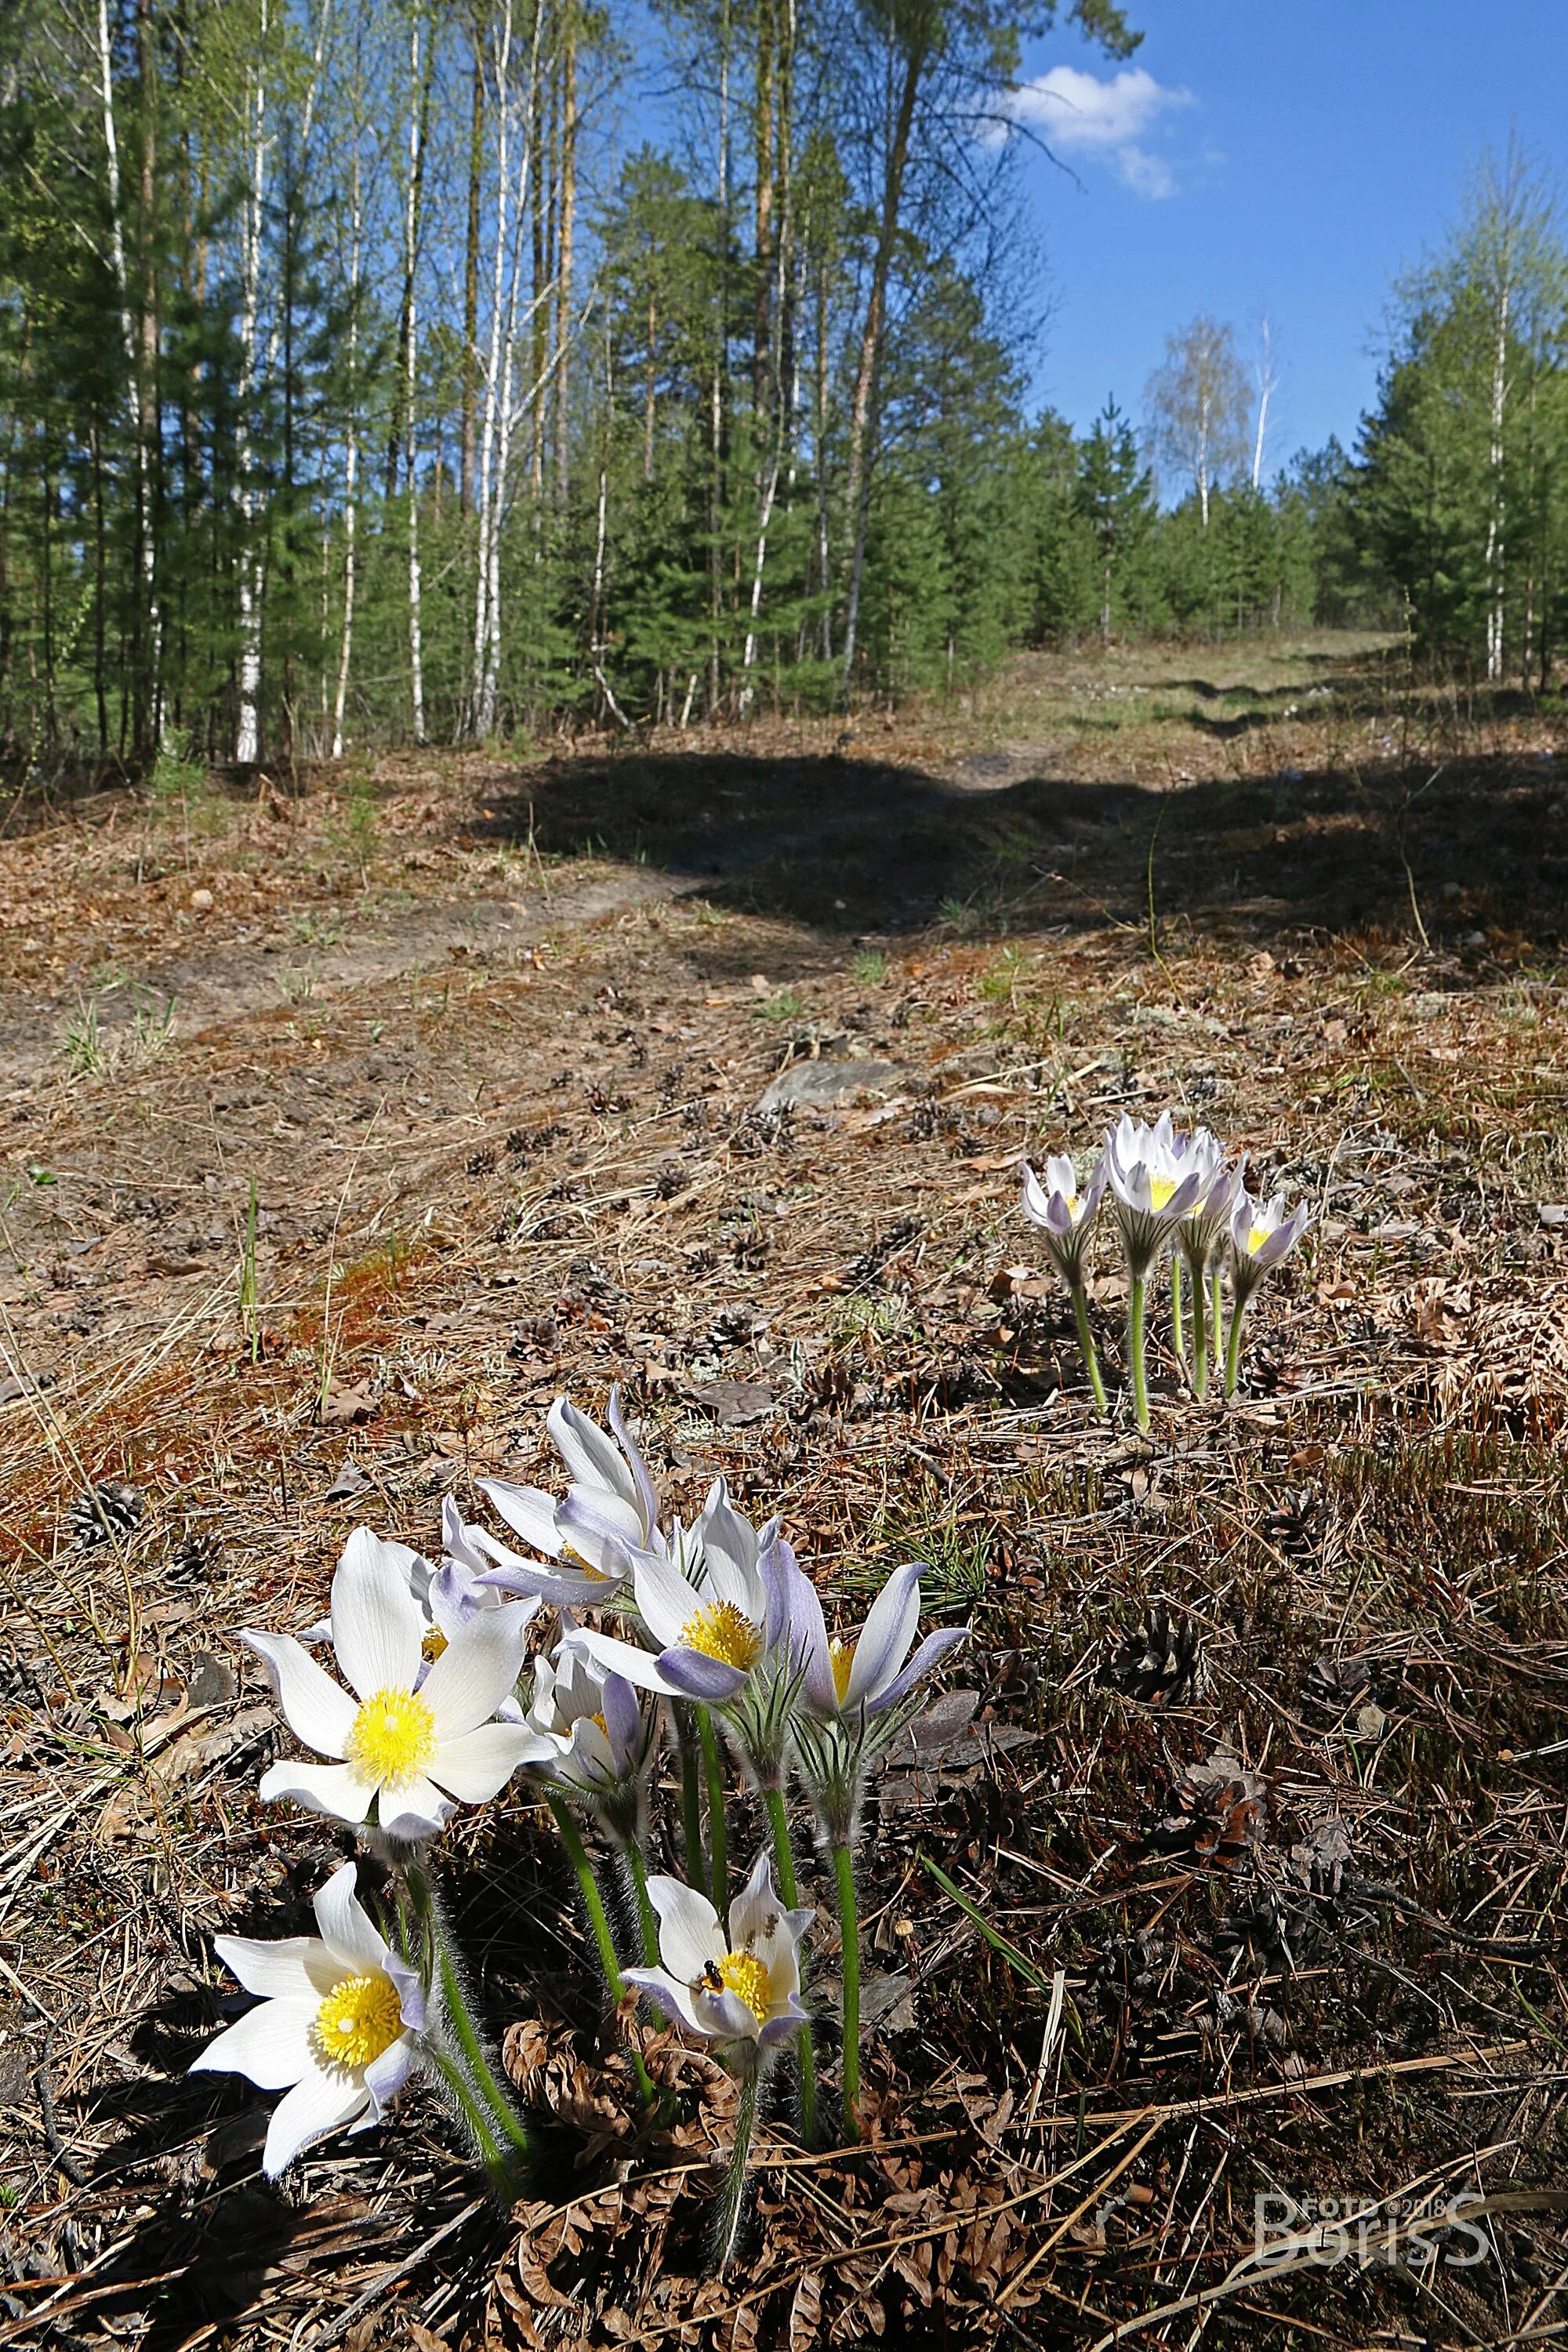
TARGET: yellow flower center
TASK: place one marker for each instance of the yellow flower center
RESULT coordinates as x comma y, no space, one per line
1255,1239
602,1724
842,1656
393,1737
744,1973
722,1632
1160,1188
359,2019
570,1559
1074,1206
433,1645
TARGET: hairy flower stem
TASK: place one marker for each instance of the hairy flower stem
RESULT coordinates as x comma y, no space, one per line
647,1925
849,1933
805,2057
1137,1295
1200,1332
1233,1347
691,1796
488,2105
594,1903
718,1838
732,2197
501,2168
1178,1332
1216,1306
1087,1348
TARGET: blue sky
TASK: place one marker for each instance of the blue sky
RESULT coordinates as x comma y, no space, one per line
1271,155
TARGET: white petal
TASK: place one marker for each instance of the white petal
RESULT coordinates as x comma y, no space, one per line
346,1929
377,1624
321,2102
689,1930
477,1668
668,1990
666,1602
885,1637
755,1904
638,1666
271,2043
334,1789
416,1810
474,1766
527,1511
317,1710
592,1459
294,1968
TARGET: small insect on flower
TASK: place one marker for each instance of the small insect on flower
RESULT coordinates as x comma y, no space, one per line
739,1989
337,2026
422,1734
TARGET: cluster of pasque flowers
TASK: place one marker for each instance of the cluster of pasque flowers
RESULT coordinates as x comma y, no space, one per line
1172,1195
722,1640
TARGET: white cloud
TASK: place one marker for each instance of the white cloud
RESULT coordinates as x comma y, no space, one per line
1077,114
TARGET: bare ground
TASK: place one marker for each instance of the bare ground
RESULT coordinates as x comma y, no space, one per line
488,1039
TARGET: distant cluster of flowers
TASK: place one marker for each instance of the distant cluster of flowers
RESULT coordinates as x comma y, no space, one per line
1171,1195
723,1649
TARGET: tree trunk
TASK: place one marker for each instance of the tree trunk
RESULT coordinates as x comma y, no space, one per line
568,214
472,275
418,121
248,733
868,372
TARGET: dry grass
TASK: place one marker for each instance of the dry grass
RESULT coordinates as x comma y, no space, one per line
501,1127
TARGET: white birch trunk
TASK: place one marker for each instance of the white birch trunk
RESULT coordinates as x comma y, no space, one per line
1497,519
411,232
350,462
128,337
246,741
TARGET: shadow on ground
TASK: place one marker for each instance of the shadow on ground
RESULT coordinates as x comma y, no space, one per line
851,846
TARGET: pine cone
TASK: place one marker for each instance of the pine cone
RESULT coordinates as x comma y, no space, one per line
191,1561
1215,1816
1337,1684
108,1509
1290,1526
1161,1664
1274,1935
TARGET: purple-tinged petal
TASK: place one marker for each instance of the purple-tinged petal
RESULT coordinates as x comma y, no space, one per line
808,1642
931,1651
693,1674
647,1494
385,2075
885,1639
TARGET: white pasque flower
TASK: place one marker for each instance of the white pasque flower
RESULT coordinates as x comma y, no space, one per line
1153,1184
741,1987
1199,1231
713,1602
337,2027
1065,1216
1260,1236
610,1512
421,1734
592,1731
856,1677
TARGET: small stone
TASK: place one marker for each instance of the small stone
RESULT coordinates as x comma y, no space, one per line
201,902
811,1085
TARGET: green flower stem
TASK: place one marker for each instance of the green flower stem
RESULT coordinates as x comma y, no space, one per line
849,1933
488,2105
1136,1299
805,2057
1233,1347
1200,1333
594,1903
1216,1305
647,1925
732,2197
501,2168
718,1838
691,1796
1178,1335
1086,1346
